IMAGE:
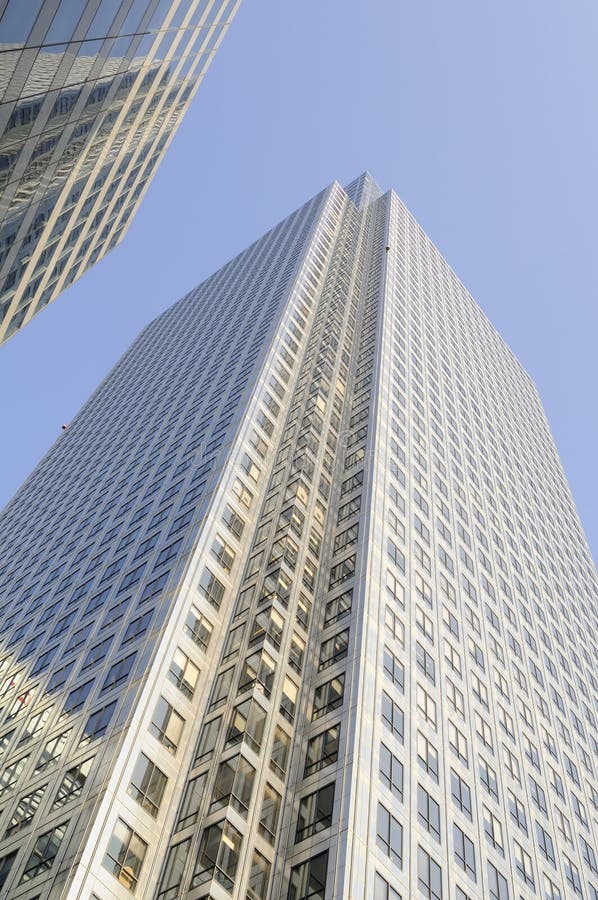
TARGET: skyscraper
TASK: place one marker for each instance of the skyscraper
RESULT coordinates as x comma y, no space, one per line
299,605
91,94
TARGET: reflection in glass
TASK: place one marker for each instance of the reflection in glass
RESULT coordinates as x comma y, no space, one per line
89,99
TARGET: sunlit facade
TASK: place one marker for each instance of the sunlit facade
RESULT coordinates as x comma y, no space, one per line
90,95
299,606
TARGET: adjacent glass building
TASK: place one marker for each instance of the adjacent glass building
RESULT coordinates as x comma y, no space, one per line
91,92
299,606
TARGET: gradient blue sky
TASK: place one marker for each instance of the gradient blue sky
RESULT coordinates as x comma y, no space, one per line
480,114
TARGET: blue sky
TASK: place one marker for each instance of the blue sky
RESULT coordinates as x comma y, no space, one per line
481,115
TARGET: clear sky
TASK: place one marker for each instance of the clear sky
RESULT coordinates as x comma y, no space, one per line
480,114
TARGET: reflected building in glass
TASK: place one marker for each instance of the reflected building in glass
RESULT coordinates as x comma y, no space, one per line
91,93
299,606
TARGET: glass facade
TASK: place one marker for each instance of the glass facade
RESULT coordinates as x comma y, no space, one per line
299,606
91,92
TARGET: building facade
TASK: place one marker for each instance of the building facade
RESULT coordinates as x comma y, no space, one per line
91,94
299,605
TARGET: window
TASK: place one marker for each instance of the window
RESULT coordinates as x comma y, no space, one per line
198,628
175,866
461,794
73,783
124,855
393,717
334,649
44,853
98,652
234,784
243,495
428,812
429,876
383,890
389,835
488,778
545,844
223,553
137,627
280,752
572,875
464,851
98,722
426,706
538,795
517,811
493,829
148,784
338,607
119,672
25,810
259,877
218,855
167,725
315,812
52,750
233,522
6,865
11,774
551,891
427,756
328,696
183,673
211,588
499,889
457,742
270,813
425,662
394,670
523,862
322,750
77,698
391,771
194,793
308,880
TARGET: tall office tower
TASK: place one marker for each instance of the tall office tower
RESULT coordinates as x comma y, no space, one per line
91,93
299,605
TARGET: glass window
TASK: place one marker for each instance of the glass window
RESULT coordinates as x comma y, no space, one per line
72,783
173,872
167,725
194,793
389,835
315,812
218,855
198,628
322,750
124,855
52,750
308,880
259,876
234,784
429,876
428,812
44,853
148,784
211,588
464,851
183,673
270,813
98,722
25,810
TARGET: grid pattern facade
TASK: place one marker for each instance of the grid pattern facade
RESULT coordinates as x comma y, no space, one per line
90,96
309,612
